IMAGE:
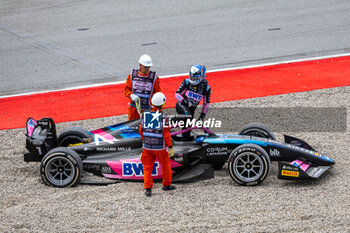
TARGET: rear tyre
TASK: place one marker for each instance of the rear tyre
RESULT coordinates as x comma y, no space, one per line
72,135
249,164
61,167
257,130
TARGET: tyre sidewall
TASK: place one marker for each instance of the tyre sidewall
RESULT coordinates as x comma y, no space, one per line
255,149
70,155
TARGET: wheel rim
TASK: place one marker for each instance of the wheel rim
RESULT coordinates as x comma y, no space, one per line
258,133
248,167
60,171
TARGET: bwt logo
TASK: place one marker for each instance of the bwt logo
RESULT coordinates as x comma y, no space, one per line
194,96
136,169
151,120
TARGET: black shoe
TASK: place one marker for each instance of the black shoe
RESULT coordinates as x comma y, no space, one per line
148,192
168,188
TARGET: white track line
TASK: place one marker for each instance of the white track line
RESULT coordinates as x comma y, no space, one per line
176,75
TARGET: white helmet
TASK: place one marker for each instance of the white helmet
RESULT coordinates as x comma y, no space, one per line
158,99
197,74
146,60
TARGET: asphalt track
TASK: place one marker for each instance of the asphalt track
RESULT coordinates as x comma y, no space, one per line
49,45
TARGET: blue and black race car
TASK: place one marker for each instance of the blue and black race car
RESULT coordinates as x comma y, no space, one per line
114,152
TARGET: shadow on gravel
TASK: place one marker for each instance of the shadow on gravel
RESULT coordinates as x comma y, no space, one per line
28,170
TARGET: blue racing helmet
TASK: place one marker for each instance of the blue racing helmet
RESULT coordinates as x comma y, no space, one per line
197,74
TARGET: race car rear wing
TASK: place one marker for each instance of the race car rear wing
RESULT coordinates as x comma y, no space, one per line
41,137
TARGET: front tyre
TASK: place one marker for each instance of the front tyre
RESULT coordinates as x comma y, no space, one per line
61,167
248,164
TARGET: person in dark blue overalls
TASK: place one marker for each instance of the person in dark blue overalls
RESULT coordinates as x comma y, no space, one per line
190,93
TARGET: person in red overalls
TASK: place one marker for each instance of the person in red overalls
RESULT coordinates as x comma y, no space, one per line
156,137
140,85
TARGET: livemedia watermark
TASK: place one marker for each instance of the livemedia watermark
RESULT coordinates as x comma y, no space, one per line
154,120
281,119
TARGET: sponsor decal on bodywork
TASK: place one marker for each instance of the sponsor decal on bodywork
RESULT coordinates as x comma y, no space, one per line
136,169
106,149
290,173
300,164
106,169
275,152
113,148
90,167
215,151
124,131
311,152
133,169
179,158
100,135
290,168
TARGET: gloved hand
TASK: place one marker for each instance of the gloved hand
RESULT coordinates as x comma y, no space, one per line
134,97
185,102
171,152
201,117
